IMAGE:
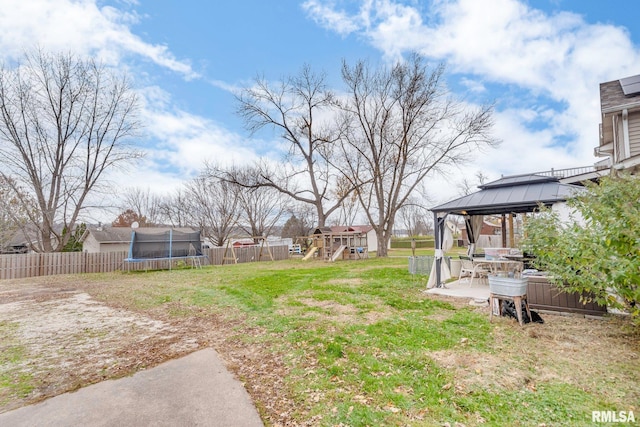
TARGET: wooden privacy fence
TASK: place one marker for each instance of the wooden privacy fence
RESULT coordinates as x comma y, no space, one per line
46,264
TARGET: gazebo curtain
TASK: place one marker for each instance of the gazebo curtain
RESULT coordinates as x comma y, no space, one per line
474,226
446,243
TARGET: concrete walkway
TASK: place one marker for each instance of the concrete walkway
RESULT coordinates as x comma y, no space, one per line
196,390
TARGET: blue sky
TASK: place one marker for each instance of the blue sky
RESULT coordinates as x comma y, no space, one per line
540,61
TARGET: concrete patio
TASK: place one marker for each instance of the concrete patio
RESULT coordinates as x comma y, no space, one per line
478,292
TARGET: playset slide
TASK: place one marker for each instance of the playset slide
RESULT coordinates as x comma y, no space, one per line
312,251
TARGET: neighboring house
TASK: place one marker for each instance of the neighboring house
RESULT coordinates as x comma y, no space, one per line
106,239
619,139
17,244
620,127
243,243
490,235
26,240
372,238
488,229
115,239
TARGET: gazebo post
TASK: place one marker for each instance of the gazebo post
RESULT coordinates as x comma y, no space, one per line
439,237
438,247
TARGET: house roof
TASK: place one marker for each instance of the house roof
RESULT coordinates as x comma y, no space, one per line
343,229
19,239
30,235
246,241
108,234
513,194
612,96
362,228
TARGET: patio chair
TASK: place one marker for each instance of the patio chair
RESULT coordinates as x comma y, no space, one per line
470,270
466,266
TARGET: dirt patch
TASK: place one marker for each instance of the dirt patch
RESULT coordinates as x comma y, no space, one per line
66,339
55,339
481,370
334,311
566,349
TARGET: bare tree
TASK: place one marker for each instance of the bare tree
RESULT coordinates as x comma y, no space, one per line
294,228
300,224
414,218
212,205
400,127
260,207
298,109
172,209
64,122
350,207
481,178
144,203
15,208
466,187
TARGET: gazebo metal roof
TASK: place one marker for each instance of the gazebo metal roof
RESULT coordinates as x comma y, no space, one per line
512,194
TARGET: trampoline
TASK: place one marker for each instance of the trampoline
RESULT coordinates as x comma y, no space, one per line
166,245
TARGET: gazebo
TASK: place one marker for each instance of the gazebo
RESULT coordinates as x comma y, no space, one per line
508,195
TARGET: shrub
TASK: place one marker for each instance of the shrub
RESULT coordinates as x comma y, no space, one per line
598,251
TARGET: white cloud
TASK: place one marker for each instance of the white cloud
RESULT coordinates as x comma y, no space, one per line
539,57
182,141
79,26
524,150
554,62
326,16
473,85
186,141
182,144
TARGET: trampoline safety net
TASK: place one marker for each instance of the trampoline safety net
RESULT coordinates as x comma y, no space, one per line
167,244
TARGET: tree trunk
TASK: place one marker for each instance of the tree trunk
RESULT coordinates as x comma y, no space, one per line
383,243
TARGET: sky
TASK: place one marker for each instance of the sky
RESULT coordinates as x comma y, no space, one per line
539,61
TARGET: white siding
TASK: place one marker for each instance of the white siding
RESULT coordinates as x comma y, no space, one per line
567,215
114,247
618,140
634,133
372,241
90,245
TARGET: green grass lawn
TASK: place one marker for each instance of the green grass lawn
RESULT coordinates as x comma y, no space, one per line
365,345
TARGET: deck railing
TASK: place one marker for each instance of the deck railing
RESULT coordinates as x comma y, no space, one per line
569,172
